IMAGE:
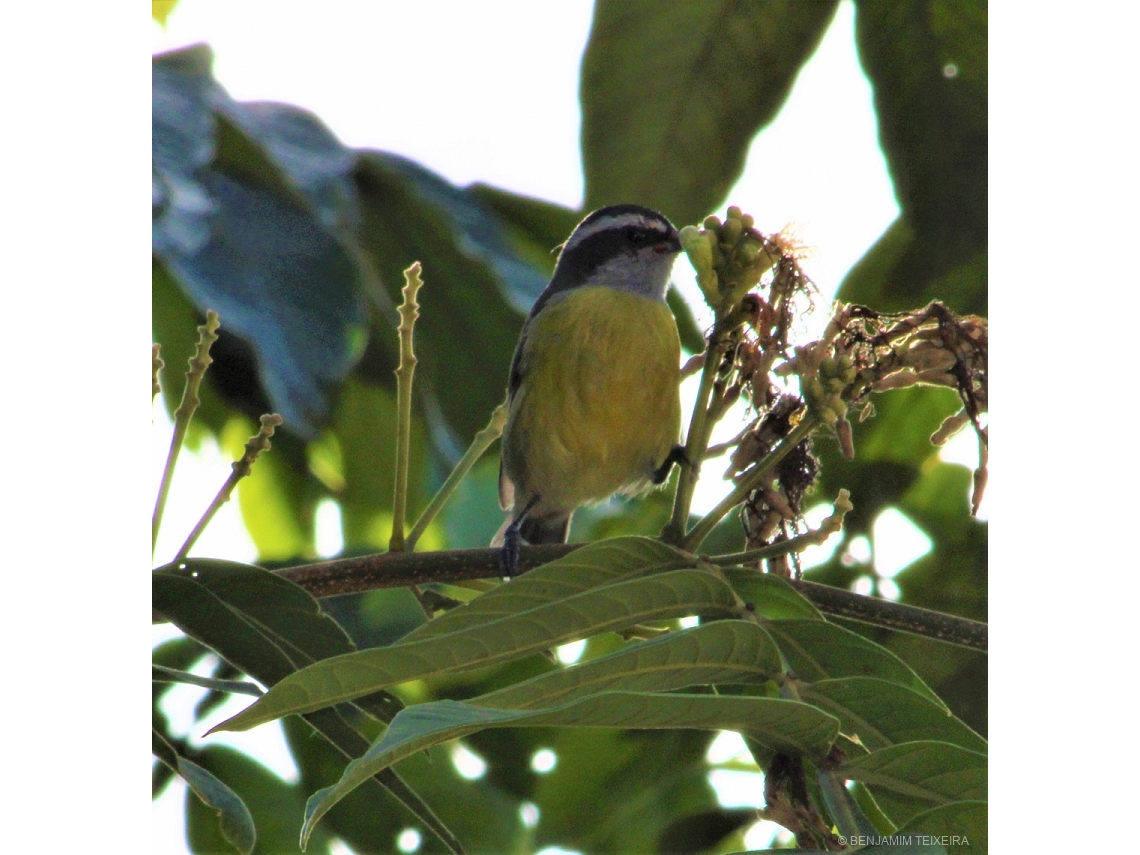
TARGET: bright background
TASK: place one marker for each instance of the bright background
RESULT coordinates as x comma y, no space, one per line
488,92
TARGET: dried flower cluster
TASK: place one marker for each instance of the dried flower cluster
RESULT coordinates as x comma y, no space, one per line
755,285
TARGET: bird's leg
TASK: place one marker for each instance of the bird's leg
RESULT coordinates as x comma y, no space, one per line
676,455
512,539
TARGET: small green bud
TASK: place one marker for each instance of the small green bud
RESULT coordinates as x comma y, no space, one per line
697,248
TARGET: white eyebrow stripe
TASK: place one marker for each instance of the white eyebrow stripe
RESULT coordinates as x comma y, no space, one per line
605,224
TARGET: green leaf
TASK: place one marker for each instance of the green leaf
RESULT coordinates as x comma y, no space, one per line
233,817
770,595
592,566
258,621
660,597
673,93
912,776
964,825
880,713
786,726
161,674
724,651
277,807
817,650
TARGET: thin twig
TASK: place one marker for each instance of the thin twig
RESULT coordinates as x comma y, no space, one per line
749,483
199,362
400,569
409,312
241,468
156,365
480,444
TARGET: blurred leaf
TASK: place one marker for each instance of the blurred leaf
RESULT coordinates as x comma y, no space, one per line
233,818
965,823
673,93
245,200
467,327
268,627
603,775
816,650
911,777
277,807
365,427
880,713
160,9
658,597
786,726
927,63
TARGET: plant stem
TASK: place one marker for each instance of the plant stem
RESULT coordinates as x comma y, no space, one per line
409,312
241,468
480,444
696,439
752,480
199,362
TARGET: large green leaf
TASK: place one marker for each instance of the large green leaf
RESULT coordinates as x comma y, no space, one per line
672,94
911,777
725,651
341,678
964,825
879,713
785,726
817,650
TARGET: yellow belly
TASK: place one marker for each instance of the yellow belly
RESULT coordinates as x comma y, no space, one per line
598,408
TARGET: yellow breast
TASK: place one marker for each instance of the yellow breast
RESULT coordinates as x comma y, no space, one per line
598,408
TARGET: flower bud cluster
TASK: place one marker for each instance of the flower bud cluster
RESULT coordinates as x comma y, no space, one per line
729,257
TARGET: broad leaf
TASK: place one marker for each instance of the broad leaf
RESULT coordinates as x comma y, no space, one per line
817,650
724,651
660,597
964,825
879,713
770,595
911,777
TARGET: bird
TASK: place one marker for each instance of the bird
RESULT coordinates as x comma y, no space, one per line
593,392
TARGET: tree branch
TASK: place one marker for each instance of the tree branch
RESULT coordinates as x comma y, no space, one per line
398,570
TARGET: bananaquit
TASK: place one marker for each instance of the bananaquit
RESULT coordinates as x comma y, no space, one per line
593,390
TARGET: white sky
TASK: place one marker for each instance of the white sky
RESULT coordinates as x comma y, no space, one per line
488,92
